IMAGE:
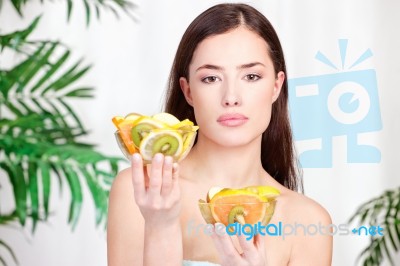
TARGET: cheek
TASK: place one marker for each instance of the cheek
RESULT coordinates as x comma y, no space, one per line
203,106
261,105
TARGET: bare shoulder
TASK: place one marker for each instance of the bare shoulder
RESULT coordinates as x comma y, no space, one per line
309,225
123,181
125,223
301,208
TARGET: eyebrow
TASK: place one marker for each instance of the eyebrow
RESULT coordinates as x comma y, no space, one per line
244,66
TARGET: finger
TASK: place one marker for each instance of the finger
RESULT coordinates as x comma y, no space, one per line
147,173
167,176
175,175
247,245
155,179
223,242
137,175
259,242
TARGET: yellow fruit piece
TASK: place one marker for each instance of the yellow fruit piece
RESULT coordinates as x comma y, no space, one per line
264,191
166,118
233,192
150,121
184,124
117,120
133,116
212,191
188,140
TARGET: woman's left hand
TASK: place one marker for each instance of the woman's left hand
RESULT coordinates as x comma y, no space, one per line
253,250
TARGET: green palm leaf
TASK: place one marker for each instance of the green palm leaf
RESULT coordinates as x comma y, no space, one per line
76,162
18,40
109,5
384,211
21,96
40,130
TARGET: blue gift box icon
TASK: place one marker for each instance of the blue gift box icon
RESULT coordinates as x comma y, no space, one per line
339,104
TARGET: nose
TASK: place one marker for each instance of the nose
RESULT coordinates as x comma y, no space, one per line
231,102
231,97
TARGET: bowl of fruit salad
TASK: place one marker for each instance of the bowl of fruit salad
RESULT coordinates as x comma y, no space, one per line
159,133
249,205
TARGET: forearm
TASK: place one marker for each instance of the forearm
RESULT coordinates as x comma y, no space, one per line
163,245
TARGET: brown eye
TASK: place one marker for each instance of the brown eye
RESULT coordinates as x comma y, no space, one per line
252,77
210,79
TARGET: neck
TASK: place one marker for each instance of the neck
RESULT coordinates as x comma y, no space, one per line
223,166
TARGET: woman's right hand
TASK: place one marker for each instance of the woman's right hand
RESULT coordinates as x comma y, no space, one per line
156,189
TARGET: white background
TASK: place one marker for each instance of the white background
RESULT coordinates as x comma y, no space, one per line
131,62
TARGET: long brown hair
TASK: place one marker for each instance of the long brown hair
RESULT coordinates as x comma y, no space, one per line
277,150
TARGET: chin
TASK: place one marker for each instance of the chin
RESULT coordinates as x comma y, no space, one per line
237,140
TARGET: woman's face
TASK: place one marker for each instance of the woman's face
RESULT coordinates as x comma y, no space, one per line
232,86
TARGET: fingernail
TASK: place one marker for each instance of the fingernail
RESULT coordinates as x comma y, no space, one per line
168,159
219,225
136,157
158,157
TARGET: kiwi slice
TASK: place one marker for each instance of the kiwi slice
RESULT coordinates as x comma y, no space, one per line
167,144
139,131
237,214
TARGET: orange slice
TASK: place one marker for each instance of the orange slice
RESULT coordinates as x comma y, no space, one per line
124,126
251,206
117,120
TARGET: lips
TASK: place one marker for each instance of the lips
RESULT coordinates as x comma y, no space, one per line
232,120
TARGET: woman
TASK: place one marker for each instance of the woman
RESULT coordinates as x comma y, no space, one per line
229,77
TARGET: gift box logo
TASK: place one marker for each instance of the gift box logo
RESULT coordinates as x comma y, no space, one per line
344,103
